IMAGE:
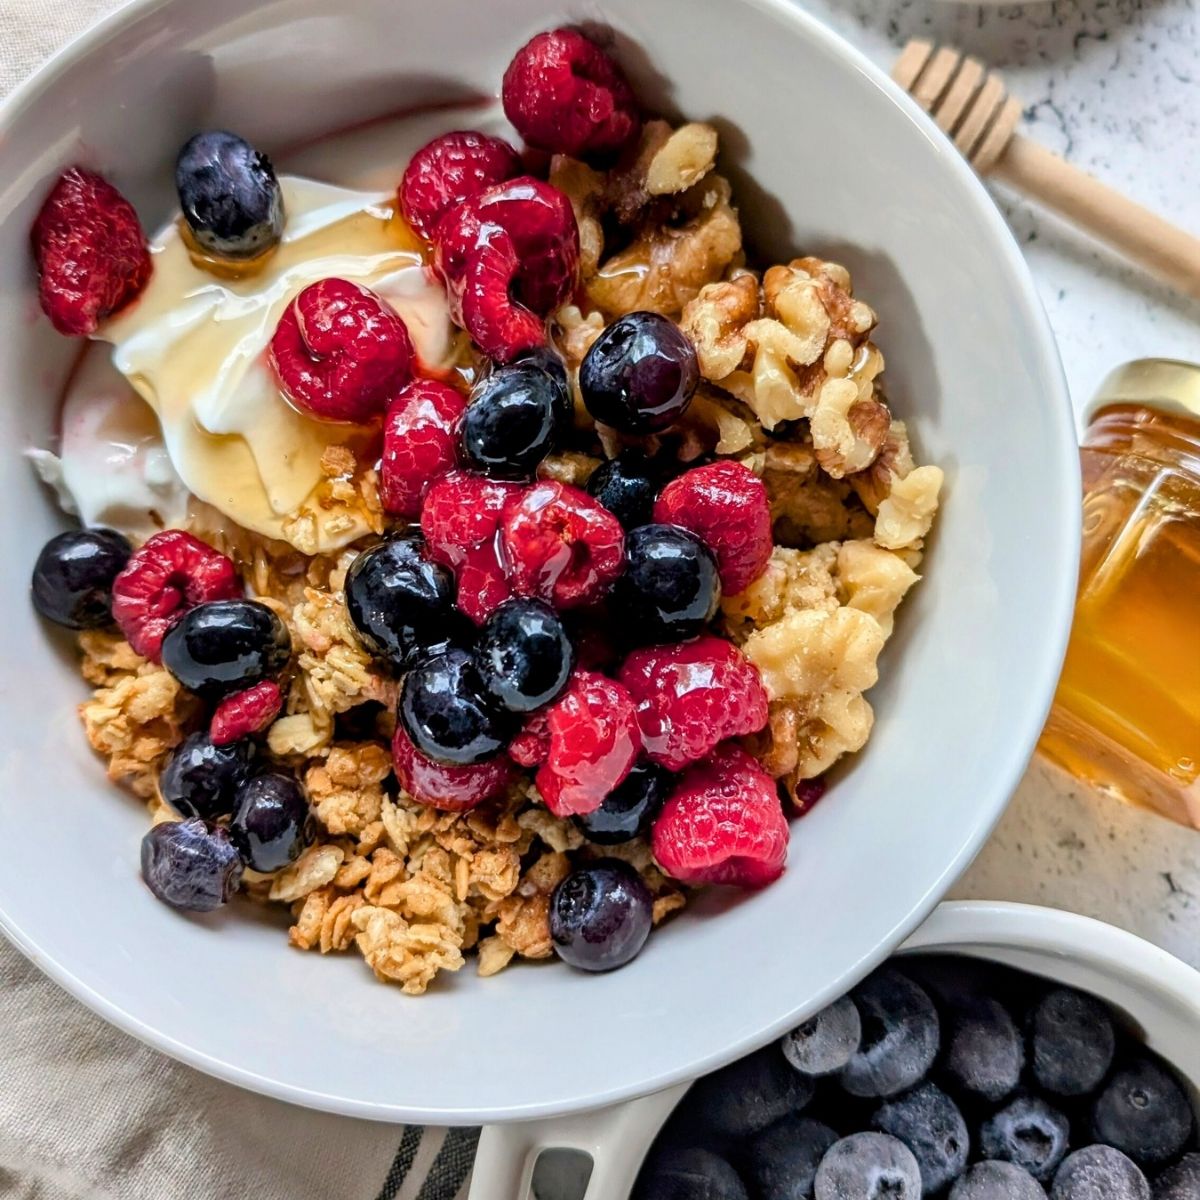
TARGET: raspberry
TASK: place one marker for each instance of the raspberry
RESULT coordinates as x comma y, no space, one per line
563,94
245,713
449,169
172,572
723,824
805,794
691,696
594,742
451,789
726,506
90,252
560,545
531,746
420,442
339,351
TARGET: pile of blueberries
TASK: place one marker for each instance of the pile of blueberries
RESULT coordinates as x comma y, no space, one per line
937,1076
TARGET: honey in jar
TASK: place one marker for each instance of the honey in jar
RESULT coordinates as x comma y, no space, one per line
1126,717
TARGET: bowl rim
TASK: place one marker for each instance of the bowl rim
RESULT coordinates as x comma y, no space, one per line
1025,726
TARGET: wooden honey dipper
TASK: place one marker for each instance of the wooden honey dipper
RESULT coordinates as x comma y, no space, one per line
973,108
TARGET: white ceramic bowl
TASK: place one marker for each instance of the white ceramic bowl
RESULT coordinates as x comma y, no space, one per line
841,164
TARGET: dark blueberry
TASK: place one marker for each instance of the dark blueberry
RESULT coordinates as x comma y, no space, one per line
190,864
229,195
826,1042
401,604
270,825
868,1166
1099,1173
514,419
984,1051
747,1096
900,1036
600,915
1143,1112
689,1174
1180,1182
626,486
202,780
1027,1132
628,811
639,375
447,713
782,1161
524,655
670,589
1071,1042
997,1181
928,1122
226,646
549,361
73,577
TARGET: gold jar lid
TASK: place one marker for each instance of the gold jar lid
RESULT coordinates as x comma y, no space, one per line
1165,383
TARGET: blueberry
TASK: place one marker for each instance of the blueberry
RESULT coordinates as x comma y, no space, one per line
270,825
202,780
640,374
1143,1112
629,810
928,1122
1071,1042
401,604
626,486
900,1036
1180,1182
190,864
984,1052
524,655
600,915
747,1096
225,646
1028,1132
997,1181
447,713
825,1043
516,416
1099,1173
549,361
230,197
689,1174
782,1161
73,577
670,589
868,1166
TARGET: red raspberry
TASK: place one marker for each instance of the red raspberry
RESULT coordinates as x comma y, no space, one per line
565,95
691,696
90,252
245,713
805,794
420,442
452,789
594,742
723,824
726,506
451,168
531,746
339,351
172,572
560,545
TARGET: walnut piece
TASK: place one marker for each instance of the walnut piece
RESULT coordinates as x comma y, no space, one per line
873,580
687,155
907,512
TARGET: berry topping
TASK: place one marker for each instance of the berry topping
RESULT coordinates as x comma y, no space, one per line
226,646
1072,1042
689,1173
560,545
530,747
670,589
782,1160
1144,1113
726,506
244,714
524,655
564,95
600,915
984,1053
1180,1182
629,810
929,1123
190,864
747,1096
825,1043
229,195
340,352
594,743
270,826
451,789
420,442
90,252
723,824
997,1181
1027,1132
73,577
640,374
1100,1173
201,779
900,1036
167,575
518,414
626,486
868,1166
690,697
449,169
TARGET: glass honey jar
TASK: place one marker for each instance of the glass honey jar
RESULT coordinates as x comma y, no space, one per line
1126,717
